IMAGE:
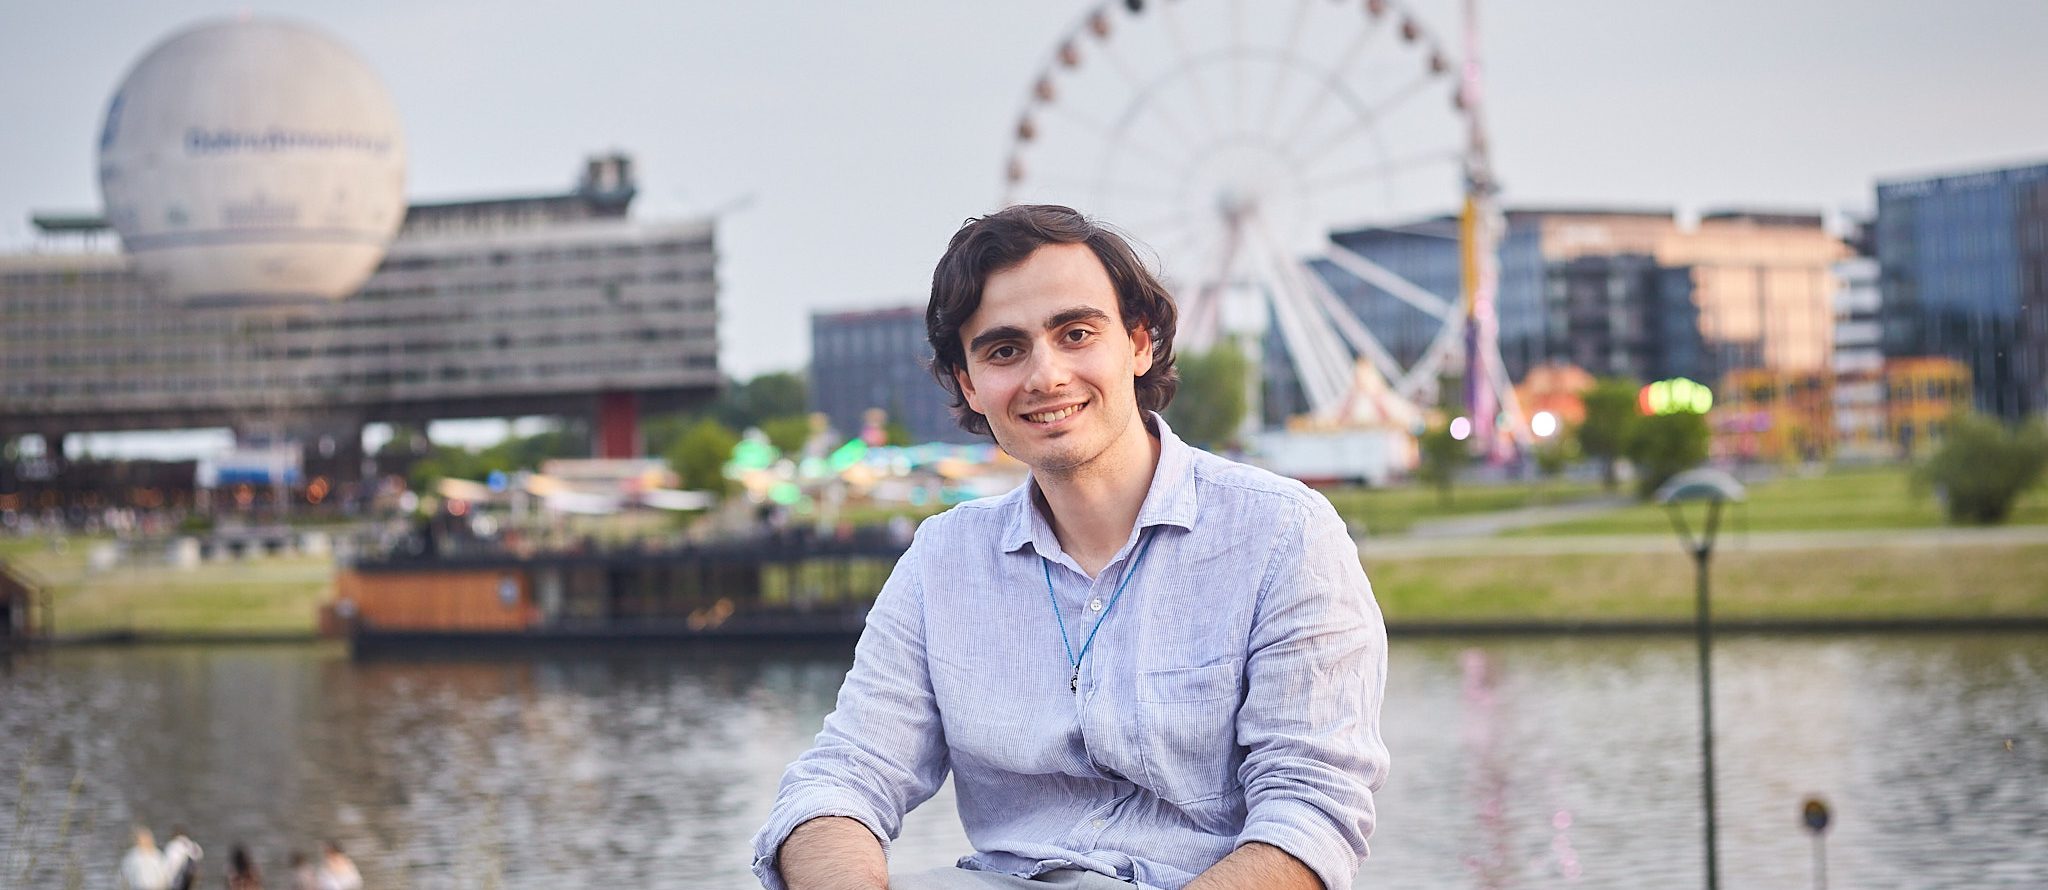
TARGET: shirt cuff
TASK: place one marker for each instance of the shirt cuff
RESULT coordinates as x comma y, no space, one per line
795,812
1307,834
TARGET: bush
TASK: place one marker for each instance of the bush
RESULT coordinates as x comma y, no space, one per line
1663,445
699,456
1442,456
1610,424
1984,466
1211,402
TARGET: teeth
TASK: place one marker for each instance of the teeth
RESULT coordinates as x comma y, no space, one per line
1050,416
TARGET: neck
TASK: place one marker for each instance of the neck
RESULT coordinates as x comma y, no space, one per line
1092,511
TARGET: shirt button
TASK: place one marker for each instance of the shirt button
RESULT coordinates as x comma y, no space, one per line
1100,822
1095,605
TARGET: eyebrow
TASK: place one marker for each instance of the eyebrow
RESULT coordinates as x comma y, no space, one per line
1058,320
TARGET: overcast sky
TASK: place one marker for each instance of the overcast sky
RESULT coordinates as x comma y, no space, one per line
859,135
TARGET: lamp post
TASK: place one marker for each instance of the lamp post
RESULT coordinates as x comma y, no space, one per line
1713,488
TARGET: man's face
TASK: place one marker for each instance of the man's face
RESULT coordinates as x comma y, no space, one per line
1049,362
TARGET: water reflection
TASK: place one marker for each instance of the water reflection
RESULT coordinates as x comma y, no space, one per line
1518,763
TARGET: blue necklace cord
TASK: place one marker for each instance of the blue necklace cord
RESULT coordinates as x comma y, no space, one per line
1074,683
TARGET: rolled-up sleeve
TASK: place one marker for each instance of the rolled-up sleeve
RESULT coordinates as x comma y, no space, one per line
882,750
1315,674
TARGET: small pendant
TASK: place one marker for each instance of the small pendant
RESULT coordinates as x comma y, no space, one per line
1074,685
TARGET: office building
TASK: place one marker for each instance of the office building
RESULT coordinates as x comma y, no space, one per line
879,359
1964,262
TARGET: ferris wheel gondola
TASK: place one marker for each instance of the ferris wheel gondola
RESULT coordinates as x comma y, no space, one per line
1233,143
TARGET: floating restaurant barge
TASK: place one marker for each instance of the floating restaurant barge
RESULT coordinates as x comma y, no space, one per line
768,590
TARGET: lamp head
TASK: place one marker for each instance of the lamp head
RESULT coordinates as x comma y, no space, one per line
1700,484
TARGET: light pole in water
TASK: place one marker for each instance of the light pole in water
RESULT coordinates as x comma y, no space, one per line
1815,815
1713,488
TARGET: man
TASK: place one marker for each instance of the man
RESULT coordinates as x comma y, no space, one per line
1145,665
142,868
181,859
337,871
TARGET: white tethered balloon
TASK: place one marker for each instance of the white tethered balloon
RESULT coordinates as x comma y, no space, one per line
251,162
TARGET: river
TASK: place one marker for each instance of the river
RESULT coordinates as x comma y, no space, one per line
1518,762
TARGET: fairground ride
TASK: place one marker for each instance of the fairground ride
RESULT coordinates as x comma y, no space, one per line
1233,138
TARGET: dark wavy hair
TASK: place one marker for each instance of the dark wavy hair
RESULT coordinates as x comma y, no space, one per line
1001,241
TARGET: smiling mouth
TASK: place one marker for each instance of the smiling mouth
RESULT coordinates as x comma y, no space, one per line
1055,415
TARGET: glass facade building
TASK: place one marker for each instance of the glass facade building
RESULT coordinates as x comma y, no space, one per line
1964,274
879,359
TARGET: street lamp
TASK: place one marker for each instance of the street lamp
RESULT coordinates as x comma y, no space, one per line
1713,488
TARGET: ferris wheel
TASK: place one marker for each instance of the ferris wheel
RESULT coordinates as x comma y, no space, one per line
1233,138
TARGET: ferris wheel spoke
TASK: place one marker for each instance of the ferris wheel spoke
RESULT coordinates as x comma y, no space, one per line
1426,369
1382,169
1165,223
1367,121
1321,98
1195,80
1288,50
1358,266
1347,324
1181,131
1321,360
1237,78
1110,137
1112,188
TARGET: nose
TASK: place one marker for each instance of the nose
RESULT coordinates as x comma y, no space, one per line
1049,370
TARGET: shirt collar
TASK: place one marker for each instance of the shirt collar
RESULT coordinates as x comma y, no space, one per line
1170,500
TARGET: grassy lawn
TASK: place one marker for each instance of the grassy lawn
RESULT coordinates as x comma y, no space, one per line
280,594
1960,582
1842,499
270,595
1384,511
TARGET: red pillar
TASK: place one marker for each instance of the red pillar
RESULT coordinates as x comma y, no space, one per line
618,425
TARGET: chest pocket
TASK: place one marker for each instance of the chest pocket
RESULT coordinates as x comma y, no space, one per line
1188,717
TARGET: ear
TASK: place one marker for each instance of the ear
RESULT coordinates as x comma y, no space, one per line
1141,350
966,383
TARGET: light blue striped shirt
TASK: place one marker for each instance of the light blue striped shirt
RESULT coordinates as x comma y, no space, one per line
1232,694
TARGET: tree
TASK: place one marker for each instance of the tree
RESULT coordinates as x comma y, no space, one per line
771,395
1664,445
699,456
1442,456
1555,454
510,454
1212,401
1611,417
445,462
1984,466
788,433
897,433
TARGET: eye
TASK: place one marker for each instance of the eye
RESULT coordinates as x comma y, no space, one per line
1078,335
1003,353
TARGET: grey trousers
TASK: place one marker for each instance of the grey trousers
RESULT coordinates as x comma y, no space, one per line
951,878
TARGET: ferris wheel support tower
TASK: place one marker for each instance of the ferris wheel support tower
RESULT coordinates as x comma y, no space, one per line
1498,426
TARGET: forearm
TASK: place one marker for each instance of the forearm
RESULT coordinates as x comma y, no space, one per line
833,853
1257,865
